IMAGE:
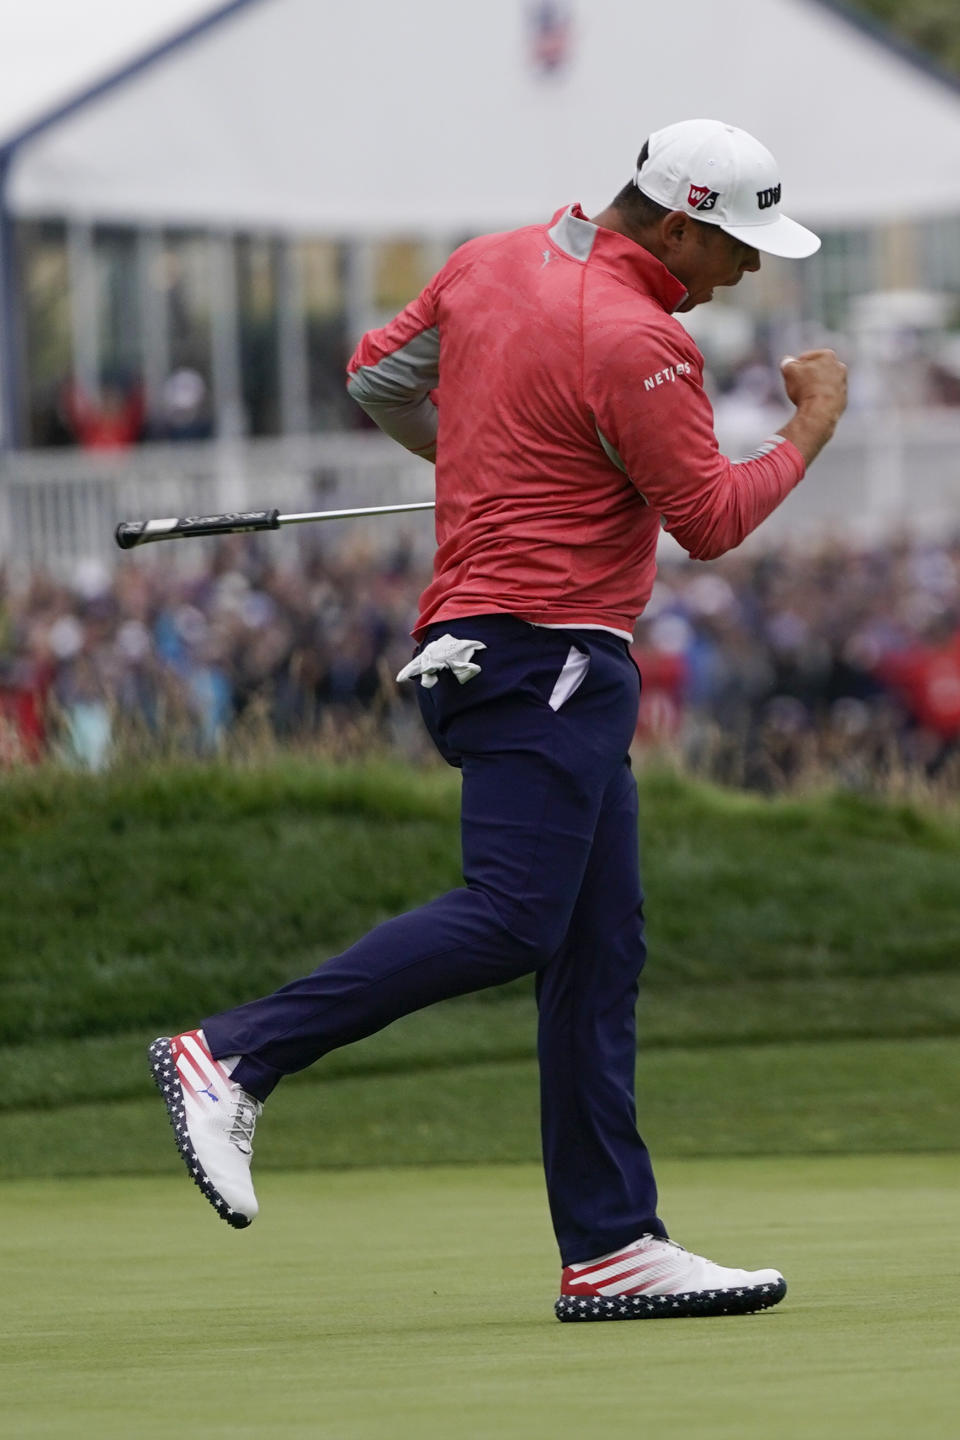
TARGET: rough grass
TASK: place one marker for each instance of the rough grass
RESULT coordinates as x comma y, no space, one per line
136,903
835,1098
147,900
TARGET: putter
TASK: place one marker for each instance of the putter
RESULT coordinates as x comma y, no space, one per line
130,533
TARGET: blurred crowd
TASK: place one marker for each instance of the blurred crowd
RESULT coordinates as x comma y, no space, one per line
766,668
186,659
758,669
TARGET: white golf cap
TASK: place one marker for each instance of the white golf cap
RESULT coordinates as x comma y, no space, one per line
725,177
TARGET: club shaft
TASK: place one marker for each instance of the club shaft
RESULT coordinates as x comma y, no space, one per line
354,513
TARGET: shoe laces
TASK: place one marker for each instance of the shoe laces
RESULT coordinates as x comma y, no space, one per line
245,1115
689,1255
682,1248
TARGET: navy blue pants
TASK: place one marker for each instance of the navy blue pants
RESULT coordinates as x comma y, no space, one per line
550,861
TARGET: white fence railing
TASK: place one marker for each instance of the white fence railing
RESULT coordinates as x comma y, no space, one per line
58,508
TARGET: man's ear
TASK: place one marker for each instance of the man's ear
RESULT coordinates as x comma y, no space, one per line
674,228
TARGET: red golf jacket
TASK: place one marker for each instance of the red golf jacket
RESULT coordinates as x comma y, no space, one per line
570,422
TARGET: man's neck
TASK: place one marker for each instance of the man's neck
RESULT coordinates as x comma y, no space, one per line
612,219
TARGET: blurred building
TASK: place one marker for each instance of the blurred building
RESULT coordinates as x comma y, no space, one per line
191,247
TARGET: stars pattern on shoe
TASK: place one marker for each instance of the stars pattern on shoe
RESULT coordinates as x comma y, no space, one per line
743,1301
167,1082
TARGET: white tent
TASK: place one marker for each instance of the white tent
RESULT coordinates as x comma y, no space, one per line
50,49
367,118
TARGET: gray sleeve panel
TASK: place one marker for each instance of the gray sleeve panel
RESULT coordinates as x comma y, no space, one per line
412,423
766,448
614,457
395,392
406,374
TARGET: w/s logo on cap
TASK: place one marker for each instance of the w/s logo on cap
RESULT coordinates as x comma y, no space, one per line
701,197
768,198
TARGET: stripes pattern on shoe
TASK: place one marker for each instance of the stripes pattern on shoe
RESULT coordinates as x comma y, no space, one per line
654,1278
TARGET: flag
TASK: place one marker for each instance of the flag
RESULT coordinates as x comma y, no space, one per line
550,36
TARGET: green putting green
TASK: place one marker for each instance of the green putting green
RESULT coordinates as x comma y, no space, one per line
417,1303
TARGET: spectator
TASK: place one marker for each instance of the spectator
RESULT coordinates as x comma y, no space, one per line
756,671
113,421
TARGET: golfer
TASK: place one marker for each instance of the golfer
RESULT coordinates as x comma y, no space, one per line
543,371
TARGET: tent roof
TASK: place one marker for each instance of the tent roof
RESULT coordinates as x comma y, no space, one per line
385,118
50,49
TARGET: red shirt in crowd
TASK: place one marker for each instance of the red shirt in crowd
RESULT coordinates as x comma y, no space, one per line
928,680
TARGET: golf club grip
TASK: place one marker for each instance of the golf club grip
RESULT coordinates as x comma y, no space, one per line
143,532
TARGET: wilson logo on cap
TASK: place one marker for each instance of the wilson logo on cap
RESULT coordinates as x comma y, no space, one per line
766,199
701,197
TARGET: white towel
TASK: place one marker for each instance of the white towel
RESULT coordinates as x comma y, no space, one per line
447,653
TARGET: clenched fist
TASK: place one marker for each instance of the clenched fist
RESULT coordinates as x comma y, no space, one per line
816,383
816,376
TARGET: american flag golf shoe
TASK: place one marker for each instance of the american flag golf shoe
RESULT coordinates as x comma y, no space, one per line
213,1121
657,1279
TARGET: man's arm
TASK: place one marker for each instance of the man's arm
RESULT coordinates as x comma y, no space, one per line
393,371
652,410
